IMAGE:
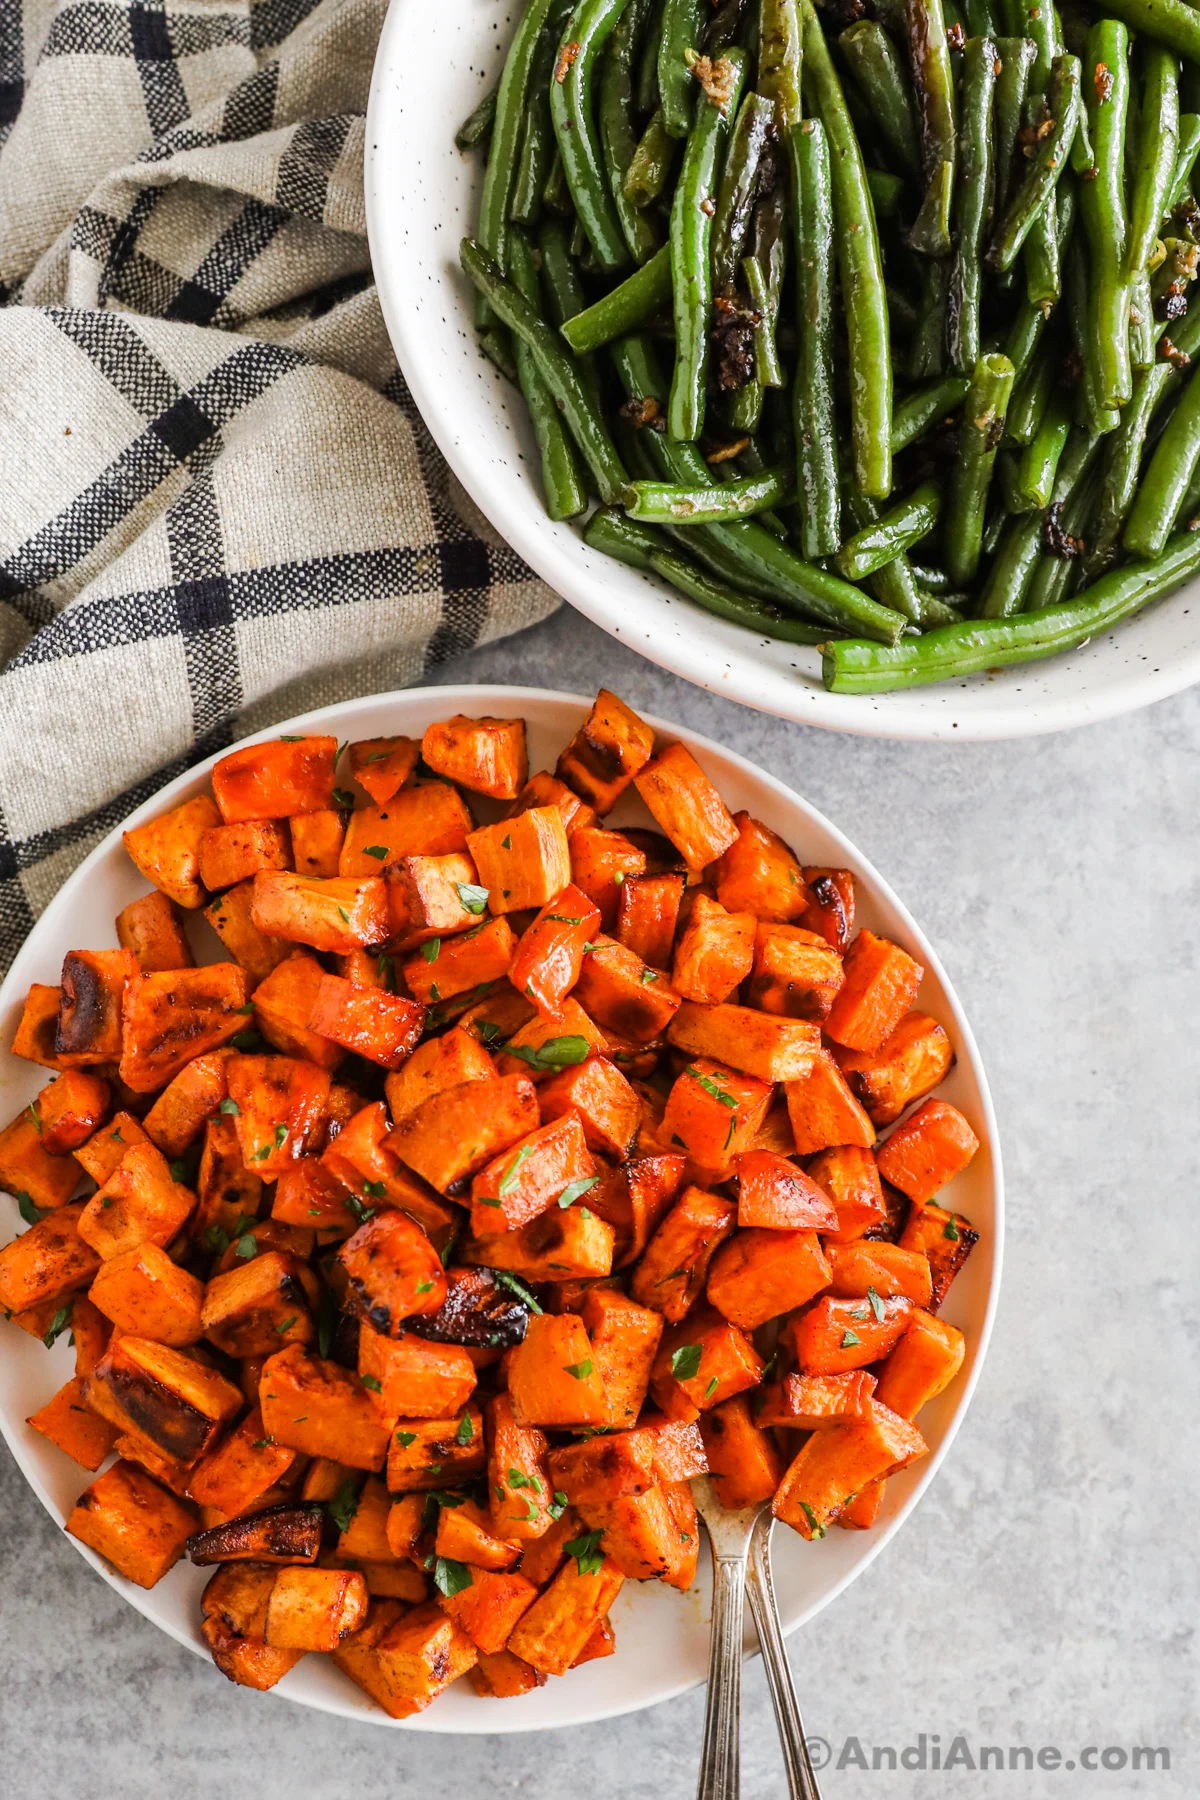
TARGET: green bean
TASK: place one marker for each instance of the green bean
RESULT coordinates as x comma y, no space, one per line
556,195
1017,56
1040,259
563,286
768,371
1143,331
1024,335
627,307
622,538
979,434
915,414
1012,567
755,615
933,87
1035,476
1031,394
587,31
981,20
672,503
648,97
651,164
904,524
887,192
1191,500
953,651
1157,151
476,128
769,250
1089,410
1055,575
863,297
973,202
537,132
1185,161
681,27
565,494
498,178
618,138
928,355
735,201
1167,478
723,28
813,412
496,345
1040,23
780,59
930,232
1169,22
1045,171
1102,208
880,76
556,368
936,581
691,260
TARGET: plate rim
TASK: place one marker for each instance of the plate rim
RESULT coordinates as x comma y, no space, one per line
461,696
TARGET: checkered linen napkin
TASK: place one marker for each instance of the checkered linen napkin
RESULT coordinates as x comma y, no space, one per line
218,505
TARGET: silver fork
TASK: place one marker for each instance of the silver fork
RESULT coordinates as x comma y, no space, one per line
741,1553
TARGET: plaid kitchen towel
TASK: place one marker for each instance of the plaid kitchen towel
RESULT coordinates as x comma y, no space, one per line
218,505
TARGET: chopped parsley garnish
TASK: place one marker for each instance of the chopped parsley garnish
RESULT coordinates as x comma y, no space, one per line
378,851
343,797
516,1286
817,1529
474,898
951,1231
286,1324
424,1287
344,1505
574,1189
555,1053
506,842
711,1389
710,1087
850,1339
877,1306
509,1178
432,950
580,1370
405,1438
466,1431
450,1577
685,1362
589,1558
230,1106
562,919
27,1209
373,1382
558,1505
57,1325
362,1213
216,1239
247,1246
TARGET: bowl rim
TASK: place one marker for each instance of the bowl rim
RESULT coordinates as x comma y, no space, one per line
462,697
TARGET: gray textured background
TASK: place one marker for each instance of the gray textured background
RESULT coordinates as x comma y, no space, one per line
1044,1592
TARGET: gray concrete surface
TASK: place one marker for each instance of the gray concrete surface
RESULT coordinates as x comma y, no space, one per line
1045,1592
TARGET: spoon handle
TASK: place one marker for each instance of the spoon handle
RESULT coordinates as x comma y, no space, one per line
802,1783
720,1777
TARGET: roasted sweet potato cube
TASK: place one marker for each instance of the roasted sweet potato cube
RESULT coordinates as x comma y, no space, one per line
775,1195
239,1470
236,1598
679,1451
559,1623
335,914
861,1511
450,1136
544,789
714,952
317,839
314,1609
601,863
601,1642
282,1533
68,1111
444,968
91,1331
47,1261
704,1359
232,853
608,1109
850,1178
914,1059
383,765
392,1271
945,1238
623,995
436,1453
413,1661
488,1607
231,916
687,806
773,1049
714,1113
552,1376
837,1463
759,1274
275,779
152,930
321,1409
385,1028
922,1365
394,1580
549,956
226,1190
486,756
543,1045
102,1154
759,874
634,1198
174,1015
430,819
556,1245
143,1291
542,1557
639,1535
47,1320
604,1467
323,1478
520,1494
186,1104
607,751
647,913
38,1026
549,1167
168,1471
266,1234
674,1268
806,1402
90,1010
364,1538
245,1661
416,1378
358,1657
744,1459
141,1203
523,861
465,1534
167,849
881,982
161,1394
504,1677
279,1109
27,1167
796,973
132,1522
360,1154
862,1268
823,1111
258,1307
71,1425
835,1335
927,1150
283,1001
432,897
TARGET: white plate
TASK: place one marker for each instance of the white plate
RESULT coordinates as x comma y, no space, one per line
434,63
661,1634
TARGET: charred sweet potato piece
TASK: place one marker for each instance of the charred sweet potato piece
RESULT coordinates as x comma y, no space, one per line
432,897
543,1044
27,1167
538,1172
168,1471
232,853
277,1534
922,1365
835,1335
607,751
69,1423
714,1112
415,1377
90,1011
885,1269
275,779
504,1677
436,1453
639,1535
673,1269
759,1274
259,1306
796,973
647,913
555,1245
385,1028
608,1109
464,1534
837,1463
773,1049
601,863
552,1378
634,1198
744,1459
774,1195
488,1608
321,1409
687,806
186,1104
133,1523
283,1002
831,905
392,1271
231,916
449,1137
486,756
410,1661
760,875
278,1105
544,789
604,1467
141,1203
714,952
549,956
435,1065
38,1026
167,849
945,1238
562,1618
226,1190
478,1312
850,1178
927,1150
314,1609
174,1015
151,929
913,1060
161,1394
806,1402
317,839
444,968
335,914
383,765
520,1494
143,1291
881,982
430,819
47,1261
703,1360
624,996
523,861
240,1469
823,1111
245,1661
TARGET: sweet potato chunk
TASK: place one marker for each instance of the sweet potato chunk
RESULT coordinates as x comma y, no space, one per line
504,1677
639,1535
927,1150
559,1623
172,1016
259,1306
552,1378
823,1111
430,819
773,1049
544,789
38,1026
278,1105
624,996
831,905
361,1159
607,751
673,1269
143,1291
101,1155
745,1461
464,1534
47,1261
27,1167
758,874
436,1453
245,1661
408,1659
70,1109
449,1137
523,861
231,916
317,839
835,1335
687,806
135,1524
415,1378
555,1246
163,1395
275,779
445,968
385,1028
805,1402
226,1190
91,1331
335,914
547,1168
432,897
435,1065
702,1361
604,1467
885,1269
647,913
283,1001
775,1195
71,1425
912,1061
186,1104
520,1494
321,1409
714,1113
759,1274
167,849
543,1044
601,863
392,1272
634,1198
608,1109
90,1011
549,956
880,985
314,1609
679,1451
240,1469
945,1238
141,1203
478,1311
383,765
714,952
232,853
837,1463
796,973
850,1178
862,1510
152,930
922,1365
486,756
488,1608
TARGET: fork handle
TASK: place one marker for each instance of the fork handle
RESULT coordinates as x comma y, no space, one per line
802,1783
720,1777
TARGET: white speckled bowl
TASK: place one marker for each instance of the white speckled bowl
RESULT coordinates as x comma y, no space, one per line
434,63
662,1635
